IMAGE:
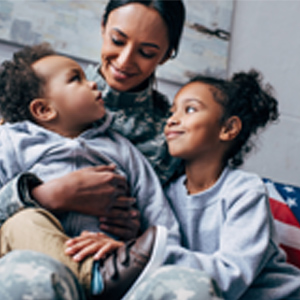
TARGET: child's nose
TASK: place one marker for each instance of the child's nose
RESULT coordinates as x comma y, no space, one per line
172,121
93,85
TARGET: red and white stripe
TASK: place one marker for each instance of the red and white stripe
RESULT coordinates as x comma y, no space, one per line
287,226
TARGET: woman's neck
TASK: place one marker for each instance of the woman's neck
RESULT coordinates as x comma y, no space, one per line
201,175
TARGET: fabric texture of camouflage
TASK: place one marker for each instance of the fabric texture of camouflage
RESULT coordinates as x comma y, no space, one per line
177,283
140,117
30,275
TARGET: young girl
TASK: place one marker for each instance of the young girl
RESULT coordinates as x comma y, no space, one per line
223,212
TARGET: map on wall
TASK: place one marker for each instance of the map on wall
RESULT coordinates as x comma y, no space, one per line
73,28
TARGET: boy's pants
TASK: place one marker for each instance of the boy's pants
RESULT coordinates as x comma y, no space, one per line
37,229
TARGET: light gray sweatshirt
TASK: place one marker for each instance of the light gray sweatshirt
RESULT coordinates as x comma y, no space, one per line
229,232
27,147
139,116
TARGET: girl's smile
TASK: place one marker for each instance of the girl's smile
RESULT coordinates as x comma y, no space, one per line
173,134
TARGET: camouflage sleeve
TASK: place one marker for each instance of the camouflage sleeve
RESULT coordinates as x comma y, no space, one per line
15,195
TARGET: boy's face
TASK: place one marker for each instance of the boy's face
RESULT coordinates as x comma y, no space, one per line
193,130
76,101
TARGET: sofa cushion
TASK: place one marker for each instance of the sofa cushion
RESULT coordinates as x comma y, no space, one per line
285,207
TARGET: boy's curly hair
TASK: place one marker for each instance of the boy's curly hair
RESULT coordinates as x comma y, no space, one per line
19,84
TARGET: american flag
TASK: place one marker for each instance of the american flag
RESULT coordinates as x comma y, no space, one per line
285,207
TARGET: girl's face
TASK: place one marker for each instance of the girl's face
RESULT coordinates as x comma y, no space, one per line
135,41
194,128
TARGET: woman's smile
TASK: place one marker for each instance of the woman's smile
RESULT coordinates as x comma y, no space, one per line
119,74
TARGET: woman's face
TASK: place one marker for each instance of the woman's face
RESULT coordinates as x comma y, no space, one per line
135,41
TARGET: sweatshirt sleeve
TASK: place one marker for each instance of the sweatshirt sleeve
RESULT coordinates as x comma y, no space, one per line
15,185
145,186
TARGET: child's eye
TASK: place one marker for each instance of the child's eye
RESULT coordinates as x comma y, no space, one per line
190,109
76,77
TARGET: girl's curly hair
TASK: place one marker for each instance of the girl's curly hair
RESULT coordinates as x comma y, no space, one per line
19,84
244,96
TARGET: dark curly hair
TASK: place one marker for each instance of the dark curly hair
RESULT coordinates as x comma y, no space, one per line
244,96
19,84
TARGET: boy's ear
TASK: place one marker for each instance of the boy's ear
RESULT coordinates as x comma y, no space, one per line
231,129
41,110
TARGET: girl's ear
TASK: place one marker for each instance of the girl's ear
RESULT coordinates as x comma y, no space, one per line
41,110
231,129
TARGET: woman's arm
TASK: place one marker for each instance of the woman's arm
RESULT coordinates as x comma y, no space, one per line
91,190
96,191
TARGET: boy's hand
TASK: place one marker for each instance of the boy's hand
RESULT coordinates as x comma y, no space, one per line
91,243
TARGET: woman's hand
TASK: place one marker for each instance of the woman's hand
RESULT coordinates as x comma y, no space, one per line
91,243
122,220
95,191
91,190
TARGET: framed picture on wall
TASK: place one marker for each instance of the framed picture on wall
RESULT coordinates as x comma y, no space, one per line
73,28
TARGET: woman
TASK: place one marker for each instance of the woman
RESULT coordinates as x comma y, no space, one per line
137,37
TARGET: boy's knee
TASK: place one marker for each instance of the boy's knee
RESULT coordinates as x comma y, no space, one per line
27,230
30,217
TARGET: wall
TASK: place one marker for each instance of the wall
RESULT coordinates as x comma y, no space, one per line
265,35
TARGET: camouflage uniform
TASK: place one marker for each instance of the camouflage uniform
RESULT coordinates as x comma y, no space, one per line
177,283
30,275
140,117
